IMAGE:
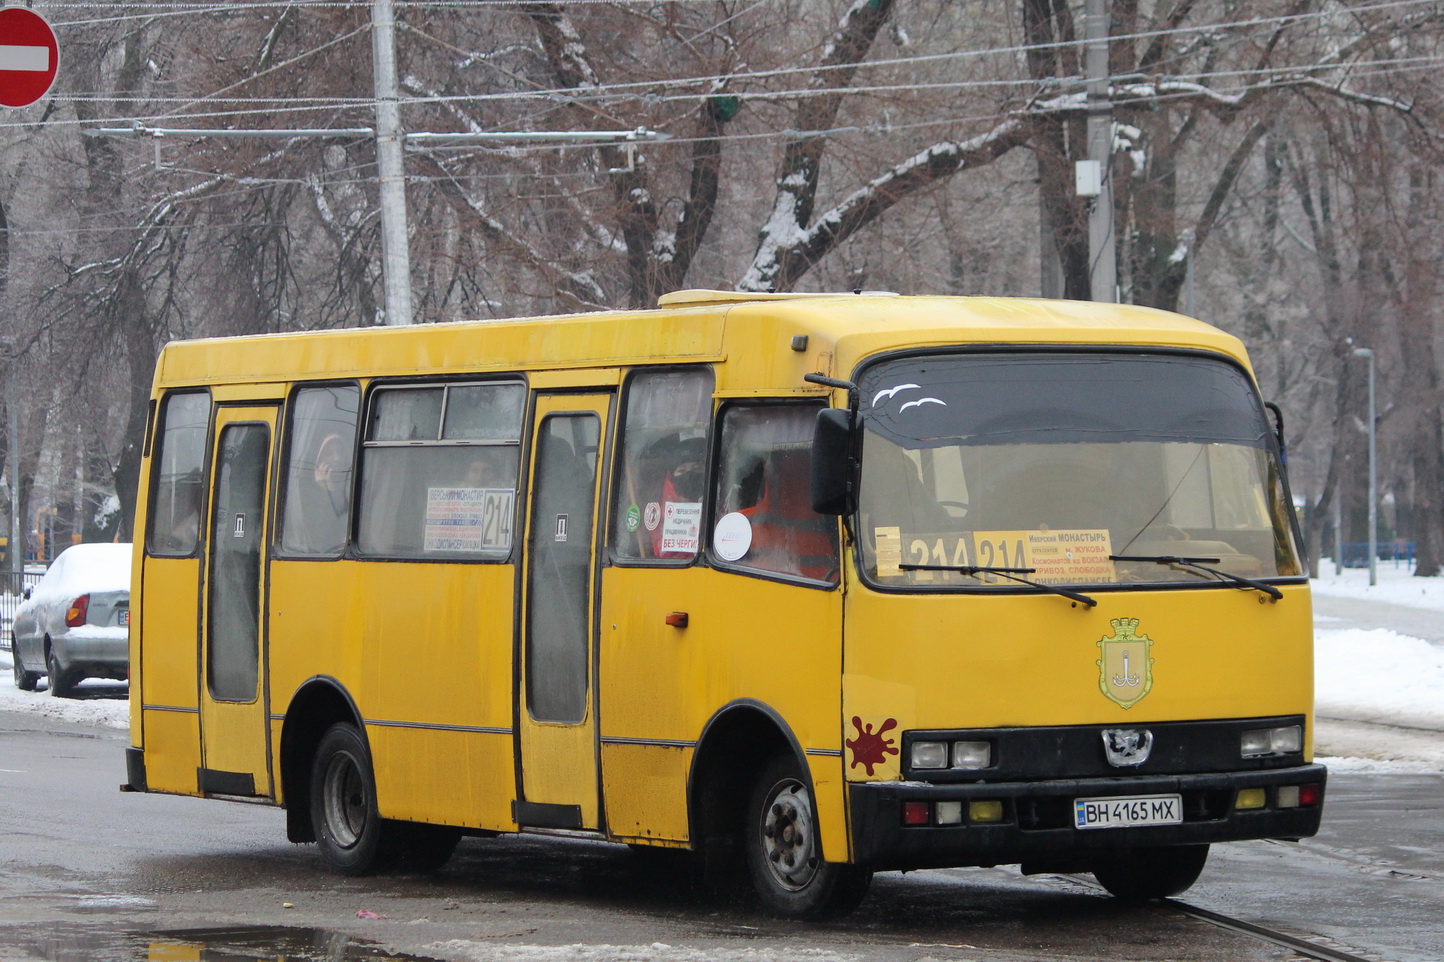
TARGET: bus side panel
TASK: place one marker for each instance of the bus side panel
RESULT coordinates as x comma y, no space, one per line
646,791
169,677
960,661
444,777
425,651
746,639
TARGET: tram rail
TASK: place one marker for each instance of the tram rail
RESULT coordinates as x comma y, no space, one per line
1319,948
1306,947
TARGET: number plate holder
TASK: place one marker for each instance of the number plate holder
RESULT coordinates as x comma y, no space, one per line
1127,811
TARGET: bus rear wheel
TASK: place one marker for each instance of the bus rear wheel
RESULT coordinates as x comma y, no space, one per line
784,850
1151,873
348,827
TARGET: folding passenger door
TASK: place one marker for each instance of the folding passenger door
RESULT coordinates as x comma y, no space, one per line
235,724
556,710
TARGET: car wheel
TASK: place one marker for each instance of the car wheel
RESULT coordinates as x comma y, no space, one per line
61,683
784,850
1150,873
24,680
348,828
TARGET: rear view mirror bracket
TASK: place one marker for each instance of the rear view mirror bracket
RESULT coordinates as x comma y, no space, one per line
834,452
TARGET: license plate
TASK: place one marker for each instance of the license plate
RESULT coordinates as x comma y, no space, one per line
125,618
1125,811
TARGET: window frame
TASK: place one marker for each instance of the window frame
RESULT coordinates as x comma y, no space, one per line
157,462
712,513
1271,446
617,476
378,387
283,492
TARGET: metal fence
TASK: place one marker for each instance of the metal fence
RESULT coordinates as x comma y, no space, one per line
1356,553
12,592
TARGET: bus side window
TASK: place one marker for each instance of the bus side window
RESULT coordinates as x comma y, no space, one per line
662,471
173,527
316,502
439,471
765,478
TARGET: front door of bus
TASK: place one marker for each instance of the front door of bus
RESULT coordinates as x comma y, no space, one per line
558,712
235,728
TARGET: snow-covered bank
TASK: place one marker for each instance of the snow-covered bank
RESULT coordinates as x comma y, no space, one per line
1396,585
104,712
1379,692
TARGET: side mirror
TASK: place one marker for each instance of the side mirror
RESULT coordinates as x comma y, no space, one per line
28,589
832,464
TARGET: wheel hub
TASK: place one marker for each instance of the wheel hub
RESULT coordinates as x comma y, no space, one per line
788,836
345,801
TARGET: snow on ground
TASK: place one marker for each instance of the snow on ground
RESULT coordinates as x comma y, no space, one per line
1379,676
104,712
1396,585
1376,676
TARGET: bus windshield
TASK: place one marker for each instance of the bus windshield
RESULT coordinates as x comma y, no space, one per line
1077,468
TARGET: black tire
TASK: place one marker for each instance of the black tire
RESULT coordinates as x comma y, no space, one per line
62,682
349,830
1141,874
24,680
784,851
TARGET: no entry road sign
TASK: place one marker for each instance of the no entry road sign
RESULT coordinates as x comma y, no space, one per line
28,56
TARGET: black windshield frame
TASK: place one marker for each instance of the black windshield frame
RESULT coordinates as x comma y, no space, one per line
1207,398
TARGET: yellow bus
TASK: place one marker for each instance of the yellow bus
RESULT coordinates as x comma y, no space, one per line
811,586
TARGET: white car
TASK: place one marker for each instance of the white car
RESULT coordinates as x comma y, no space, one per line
75,623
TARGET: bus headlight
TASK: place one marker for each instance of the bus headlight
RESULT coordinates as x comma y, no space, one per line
929,755
972,755
1271,741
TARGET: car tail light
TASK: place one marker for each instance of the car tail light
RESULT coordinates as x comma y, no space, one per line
75,617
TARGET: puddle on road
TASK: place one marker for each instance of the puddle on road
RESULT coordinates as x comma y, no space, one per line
85,943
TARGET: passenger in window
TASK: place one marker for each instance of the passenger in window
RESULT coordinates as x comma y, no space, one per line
325,497
677,534
181,528
485,472
787,535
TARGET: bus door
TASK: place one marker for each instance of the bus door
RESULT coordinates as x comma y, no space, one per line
235,726
556,716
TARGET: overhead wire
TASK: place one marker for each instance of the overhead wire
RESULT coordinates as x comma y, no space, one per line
297,105
627,90
911,60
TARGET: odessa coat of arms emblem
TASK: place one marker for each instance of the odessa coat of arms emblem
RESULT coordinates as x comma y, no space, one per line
1125,672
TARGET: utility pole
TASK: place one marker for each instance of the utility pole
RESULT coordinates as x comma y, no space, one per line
12,463
395,246
1102,255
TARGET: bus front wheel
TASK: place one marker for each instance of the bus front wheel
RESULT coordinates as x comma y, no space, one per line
784,850
343,802
1151,873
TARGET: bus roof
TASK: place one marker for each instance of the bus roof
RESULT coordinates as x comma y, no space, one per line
769,340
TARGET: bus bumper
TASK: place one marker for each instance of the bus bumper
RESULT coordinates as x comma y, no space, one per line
1036,823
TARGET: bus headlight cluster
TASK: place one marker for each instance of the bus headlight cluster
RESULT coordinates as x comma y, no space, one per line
962,756
1271,741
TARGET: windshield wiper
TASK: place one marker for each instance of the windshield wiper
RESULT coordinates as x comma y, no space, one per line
1011,574
1202,564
